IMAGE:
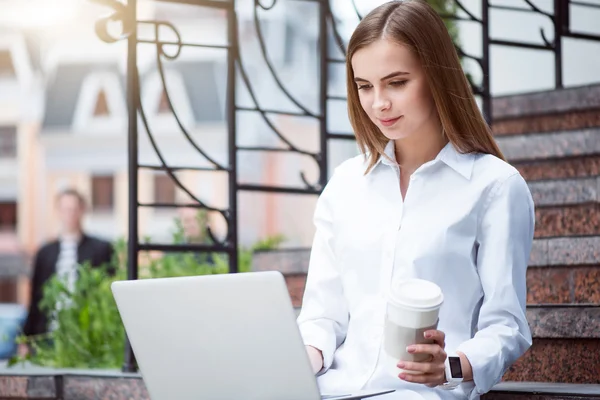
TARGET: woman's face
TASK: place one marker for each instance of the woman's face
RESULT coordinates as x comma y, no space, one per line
393,90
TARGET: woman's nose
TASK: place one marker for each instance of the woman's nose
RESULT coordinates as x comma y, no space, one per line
381,102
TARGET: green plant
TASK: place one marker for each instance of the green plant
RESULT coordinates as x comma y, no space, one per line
88,329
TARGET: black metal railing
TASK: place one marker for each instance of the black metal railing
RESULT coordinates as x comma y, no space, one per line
331,49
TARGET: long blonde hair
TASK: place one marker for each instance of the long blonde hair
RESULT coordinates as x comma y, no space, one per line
416,25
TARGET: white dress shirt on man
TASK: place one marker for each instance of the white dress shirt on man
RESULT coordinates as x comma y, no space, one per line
466,223
66,269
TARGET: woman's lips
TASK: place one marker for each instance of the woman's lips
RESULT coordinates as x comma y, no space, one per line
389,121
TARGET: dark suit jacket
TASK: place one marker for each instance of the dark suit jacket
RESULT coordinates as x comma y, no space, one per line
96,251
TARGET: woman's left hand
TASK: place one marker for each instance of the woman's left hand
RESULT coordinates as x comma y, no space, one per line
432,372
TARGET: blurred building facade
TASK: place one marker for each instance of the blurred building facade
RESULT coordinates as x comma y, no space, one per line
69,128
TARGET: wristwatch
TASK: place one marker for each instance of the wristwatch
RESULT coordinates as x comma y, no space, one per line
454,375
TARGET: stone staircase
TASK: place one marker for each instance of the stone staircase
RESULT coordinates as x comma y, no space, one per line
553,138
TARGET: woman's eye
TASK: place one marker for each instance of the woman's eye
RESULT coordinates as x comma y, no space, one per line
398,83
363,87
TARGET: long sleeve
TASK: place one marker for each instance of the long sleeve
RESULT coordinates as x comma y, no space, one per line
323,320
31,325
504,243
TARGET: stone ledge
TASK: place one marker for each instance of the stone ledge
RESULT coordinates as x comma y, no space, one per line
85,385
565,221
546,252
565,251
558,360
576,167
28,387
564,322
287,261
539,146
554,122
546,102
563,285
565,191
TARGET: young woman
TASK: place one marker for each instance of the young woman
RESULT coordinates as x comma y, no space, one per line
432,198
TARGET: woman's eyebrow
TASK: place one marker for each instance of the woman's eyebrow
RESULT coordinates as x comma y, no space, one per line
392,75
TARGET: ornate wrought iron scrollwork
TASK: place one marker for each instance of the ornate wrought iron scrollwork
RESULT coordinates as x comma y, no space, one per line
334,28
160,53
355,7
120,14
304,111
266,8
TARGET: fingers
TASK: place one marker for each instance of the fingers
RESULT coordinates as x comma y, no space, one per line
421,367
428,379
438,337
435,350
430,374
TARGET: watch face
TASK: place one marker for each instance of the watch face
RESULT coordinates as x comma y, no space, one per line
455,367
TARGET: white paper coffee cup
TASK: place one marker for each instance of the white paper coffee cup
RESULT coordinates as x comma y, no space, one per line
413,307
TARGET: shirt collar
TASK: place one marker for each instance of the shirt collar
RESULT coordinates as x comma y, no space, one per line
461,163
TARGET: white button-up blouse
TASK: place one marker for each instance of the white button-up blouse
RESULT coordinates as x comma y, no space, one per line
466,223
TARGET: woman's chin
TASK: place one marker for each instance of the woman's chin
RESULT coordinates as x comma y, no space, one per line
393,134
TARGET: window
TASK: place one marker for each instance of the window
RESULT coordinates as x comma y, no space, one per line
8,291
291,41
8,141
8,216
7,69
164,189
101,109
103,193
163,105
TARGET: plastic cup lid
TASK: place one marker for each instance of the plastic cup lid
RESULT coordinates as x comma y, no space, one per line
416,293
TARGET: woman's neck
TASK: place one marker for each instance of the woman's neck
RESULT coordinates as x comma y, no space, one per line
415,151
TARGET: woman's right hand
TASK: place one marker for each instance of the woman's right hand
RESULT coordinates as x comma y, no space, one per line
316,358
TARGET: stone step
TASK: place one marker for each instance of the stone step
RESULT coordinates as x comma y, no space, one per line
557,285
535,147
563,285
570,251
545,103
565,192
552,251
558,360
559,168
565,221
550,134
566,207
557,121
565,322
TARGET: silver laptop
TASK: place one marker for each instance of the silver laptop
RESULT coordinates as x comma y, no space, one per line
230,336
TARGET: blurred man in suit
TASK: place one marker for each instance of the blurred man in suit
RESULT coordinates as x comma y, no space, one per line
63,256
